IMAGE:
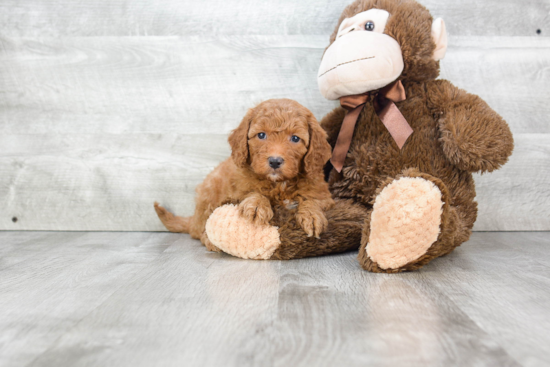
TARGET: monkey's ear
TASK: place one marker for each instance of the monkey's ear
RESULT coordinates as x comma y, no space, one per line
238,140
439,35
319,150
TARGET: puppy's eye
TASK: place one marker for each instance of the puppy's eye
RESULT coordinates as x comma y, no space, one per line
294,139
369,26
262,136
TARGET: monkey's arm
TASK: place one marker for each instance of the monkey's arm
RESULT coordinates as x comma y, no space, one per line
332,122
474,137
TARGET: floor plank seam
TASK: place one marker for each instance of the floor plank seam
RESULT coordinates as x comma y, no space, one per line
123,285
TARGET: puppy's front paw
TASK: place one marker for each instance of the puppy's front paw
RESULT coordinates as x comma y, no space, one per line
313,222
256,210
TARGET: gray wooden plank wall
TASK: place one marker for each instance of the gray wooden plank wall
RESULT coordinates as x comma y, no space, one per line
107,106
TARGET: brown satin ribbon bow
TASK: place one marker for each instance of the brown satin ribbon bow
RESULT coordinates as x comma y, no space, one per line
384,105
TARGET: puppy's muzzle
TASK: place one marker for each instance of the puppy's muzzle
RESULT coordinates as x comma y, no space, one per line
275,162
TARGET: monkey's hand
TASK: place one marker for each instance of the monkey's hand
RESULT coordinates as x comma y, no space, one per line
473,136
311,218
256,208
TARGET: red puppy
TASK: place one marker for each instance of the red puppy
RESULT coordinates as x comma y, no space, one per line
278,154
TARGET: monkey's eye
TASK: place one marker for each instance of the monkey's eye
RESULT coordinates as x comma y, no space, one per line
369,26
294,139
262,136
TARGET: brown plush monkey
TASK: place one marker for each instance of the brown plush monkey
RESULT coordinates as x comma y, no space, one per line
403,198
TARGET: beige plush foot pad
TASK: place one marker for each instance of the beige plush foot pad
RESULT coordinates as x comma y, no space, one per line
405,222
237,236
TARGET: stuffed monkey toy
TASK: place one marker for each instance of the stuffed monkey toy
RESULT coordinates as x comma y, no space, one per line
405,146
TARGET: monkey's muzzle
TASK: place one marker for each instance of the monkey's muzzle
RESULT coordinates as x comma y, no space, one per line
359,62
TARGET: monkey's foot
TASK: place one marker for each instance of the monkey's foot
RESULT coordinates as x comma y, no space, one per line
404,224
237,236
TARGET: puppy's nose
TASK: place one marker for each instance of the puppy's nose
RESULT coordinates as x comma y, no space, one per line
275,162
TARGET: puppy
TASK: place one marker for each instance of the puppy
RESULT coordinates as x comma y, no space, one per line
277,157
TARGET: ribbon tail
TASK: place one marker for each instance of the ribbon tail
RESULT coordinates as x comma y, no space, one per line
395,122
344,138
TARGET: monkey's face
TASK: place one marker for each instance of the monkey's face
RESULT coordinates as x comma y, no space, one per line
362,58
378,42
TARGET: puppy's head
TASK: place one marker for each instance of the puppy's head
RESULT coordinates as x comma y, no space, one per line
279,139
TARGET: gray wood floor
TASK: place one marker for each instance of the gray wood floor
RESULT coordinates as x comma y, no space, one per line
160,299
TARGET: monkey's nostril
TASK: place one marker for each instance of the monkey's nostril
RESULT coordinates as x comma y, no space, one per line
275,162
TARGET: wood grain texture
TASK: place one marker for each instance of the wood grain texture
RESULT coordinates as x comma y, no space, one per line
187,85
102,181
509,73
332,311
517,197
205,84
532,244
60,279
499,282
193,307
38,18
109,182
154,299
94,127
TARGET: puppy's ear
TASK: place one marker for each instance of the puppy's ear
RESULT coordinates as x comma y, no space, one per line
238,140
319,150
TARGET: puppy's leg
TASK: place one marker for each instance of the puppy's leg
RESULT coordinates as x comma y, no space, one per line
171,222
311,218
256,208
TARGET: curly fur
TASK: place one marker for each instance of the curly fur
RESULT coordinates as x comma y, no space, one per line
248,180
455,134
